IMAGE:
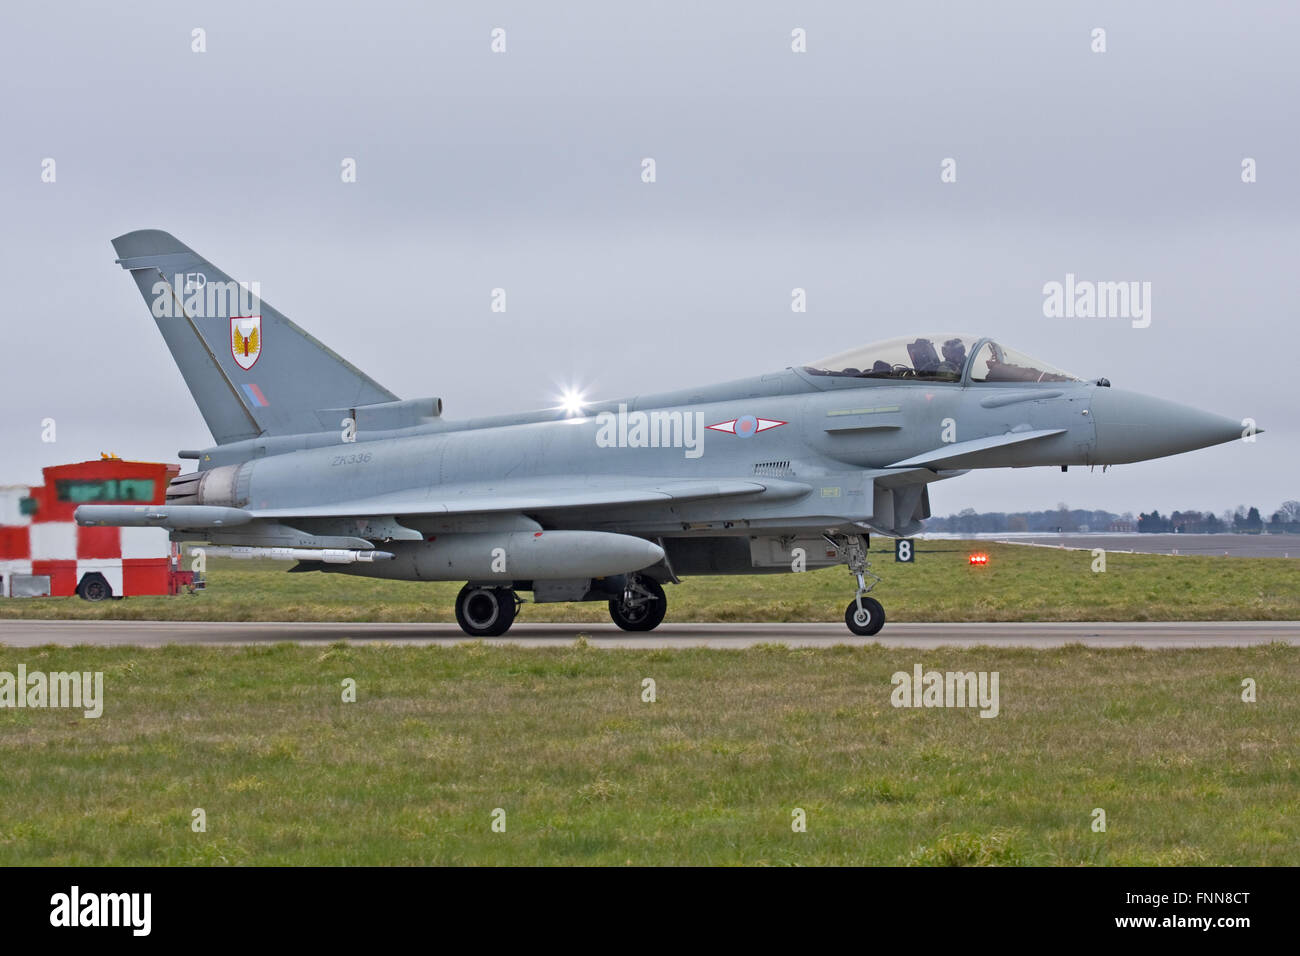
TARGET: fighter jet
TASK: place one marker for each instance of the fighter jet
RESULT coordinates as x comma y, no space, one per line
792,470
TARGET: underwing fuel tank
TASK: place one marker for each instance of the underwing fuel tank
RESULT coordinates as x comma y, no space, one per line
517,556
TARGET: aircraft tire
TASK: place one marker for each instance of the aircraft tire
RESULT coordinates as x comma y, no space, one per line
647,616
485,612
875,617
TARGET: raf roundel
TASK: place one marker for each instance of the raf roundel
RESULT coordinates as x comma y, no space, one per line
746,425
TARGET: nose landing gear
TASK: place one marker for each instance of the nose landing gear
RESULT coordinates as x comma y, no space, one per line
864,616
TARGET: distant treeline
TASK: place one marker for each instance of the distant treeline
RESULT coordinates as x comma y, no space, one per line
1244,519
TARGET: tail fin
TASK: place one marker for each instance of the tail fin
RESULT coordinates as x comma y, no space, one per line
251,371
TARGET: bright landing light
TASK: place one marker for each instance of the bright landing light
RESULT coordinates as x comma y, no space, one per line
572,402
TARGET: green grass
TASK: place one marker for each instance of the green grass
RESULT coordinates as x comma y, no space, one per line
708,774
1019,584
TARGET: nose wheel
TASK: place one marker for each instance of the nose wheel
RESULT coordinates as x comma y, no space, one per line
864,616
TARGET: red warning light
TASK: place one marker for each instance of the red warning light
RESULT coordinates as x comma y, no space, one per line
979,558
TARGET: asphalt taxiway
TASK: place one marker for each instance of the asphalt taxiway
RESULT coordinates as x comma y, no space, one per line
1040,635
1216,545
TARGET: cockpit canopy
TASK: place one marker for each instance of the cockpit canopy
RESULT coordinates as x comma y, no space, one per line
945,357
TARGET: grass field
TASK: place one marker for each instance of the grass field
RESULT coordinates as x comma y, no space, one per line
710,773
1018,584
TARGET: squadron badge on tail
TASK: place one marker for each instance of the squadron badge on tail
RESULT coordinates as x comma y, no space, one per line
246,340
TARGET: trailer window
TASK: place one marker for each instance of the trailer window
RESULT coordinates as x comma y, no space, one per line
108,489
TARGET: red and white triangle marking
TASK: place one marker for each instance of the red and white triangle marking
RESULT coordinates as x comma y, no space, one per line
730,426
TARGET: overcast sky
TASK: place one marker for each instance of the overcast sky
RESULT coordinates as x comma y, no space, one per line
775,170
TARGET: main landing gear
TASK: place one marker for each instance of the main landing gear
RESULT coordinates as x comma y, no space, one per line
864,616
488,611
642,605
485,611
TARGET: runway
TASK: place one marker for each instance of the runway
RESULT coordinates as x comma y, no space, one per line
736,636
1216,545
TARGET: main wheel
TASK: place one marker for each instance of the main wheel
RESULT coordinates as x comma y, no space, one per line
485,612
645,614
867,621
93,587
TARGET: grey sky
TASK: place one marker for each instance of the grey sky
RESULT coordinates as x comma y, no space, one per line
775,170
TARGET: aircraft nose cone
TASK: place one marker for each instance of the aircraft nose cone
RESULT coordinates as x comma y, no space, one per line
1134,427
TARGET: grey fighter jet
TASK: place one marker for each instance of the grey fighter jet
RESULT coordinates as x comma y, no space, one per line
316,462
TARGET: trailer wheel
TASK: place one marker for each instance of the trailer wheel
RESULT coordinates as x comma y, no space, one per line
93,587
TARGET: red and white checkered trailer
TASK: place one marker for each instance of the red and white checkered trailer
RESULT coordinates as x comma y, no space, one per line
44,553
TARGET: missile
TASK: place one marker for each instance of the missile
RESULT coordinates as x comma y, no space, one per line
326,555
161,516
